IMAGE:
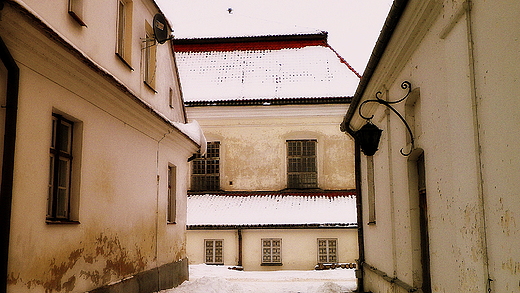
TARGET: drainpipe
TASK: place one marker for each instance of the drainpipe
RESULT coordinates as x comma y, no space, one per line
359,209
239,231
6,187
477,141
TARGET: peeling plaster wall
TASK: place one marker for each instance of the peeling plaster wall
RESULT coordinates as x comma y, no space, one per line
253,143
122,152
466,122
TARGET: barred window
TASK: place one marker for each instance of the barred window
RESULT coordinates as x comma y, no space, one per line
327,250
213,251
301,164
272,251
206,169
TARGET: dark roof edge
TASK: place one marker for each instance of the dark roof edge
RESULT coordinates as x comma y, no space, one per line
273,226
269,102
246,39
391,22
317,192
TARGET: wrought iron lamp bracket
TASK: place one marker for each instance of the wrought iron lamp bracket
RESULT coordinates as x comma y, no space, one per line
406,85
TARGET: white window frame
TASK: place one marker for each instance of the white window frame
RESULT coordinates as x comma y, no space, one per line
213,252
271,251
329,252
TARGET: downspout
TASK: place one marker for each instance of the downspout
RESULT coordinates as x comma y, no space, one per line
359,209
478,145
239,232
6,187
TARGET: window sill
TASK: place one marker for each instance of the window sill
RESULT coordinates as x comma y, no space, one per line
56,221
171,223
271,264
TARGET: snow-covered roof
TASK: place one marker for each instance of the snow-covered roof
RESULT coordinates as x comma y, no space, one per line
238,72
338,208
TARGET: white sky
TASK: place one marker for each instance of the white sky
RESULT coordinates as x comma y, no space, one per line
353,25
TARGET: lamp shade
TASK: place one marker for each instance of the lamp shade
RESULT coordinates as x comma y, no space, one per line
368,138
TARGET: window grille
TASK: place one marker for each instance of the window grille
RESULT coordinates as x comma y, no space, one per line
301,164
214,251
327,250
272,251
206,169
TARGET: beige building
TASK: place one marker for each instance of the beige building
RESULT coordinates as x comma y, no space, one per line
95,149
273,231
440,216
270,109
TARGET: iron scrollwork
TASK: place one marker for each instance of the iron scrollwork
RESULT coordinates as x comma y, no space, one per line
406,85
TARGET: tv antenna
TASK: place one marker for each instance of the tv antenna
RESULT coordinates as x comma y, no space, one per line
161,29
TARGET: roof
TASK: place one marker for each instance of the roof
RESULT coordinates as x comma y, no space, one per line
321,209
266,67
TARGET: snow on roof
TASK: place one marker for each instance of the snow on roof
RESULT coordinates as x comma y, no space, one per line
296,72
267,209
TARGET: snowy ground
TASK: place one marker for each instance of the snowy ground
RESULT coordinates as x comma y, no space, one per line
219,279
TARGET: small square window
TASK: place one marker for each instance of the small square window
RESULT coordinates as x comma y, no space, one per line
271,251
213,251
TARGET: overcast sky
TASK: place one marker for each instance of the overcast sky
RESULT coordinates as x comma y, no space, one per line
353,25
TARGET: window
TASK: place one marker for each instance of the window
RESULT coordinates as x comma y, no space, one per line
172,194
206,169
301,164
124,31
60,169
327,250
272,251
76,11
213,251
149,56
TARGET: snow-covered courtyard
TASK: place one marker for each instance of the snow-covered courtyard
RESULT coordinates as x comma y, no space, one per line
220,279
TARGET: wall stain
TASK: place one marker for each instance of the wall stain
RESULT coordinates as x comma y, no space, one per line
105,260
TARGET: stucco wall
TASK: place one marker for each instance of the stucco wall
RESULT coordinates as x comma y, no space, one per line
121,154
299,246
465,123
253,143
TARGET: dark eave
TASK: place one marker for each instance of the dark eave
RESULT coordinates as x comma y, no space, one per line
285,192
391,22
273,226
271,102
247,39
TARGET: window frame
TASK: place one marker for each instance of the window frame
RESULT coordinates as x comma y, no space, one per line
302,166
149,57
124,31
271,251
201,178
213,251
60,210
171,216
75,10
327,253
